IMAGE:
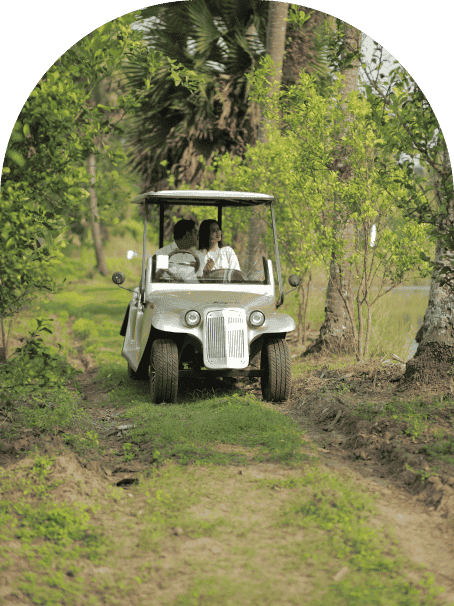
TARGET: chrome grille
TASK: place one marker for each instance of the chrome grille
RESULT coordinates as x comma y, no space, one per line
225,339
236,344
216,337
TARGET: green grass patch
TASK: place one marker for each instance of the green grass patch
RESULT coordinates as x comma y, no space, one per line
416,413
189,431
51,410
376,569
25,503
54,537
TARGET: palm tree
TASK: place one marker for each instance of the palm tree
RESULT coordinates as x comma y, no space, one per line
174,127
275,46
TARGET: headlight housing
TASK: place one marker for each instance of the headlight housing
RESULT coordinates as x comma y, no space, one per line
256,318
192,318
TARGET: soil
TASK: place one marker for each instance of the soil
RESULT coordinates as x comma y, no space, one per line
373,454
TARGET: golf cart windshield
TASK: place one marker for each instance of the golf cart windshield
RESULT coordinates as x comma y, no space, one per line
230,259
227,268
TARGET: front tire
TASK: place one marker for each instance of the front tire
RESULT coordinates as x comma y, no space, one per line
164,371
276,379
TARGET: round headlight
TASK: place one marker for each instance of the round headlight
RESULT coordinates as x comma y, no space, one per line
256,318
192,318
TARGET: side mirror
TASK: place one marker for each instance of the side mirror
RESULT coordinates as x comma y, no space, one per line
294,280
118,277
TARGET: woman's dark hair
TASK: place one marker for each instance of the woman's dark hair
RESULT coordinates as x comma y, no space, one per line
182,227
204,234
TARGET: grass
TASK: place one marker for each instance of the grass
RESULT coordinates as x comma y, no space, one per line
322,524
57,541
189,431
332,504
396,316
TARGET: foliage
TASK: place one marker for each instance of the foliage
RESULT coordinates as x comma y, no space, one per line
44,177
307,135
192,85
213,43
40,180
99,58
412,135
34,366
25,265
340,51
307,37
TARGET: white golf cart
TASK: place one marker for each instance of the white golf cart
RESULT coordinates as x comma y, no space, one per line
181,323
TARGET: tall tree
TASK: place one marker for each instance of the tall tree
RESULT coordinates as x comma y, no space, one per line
180,128
416,140
294,165
275,46
94,215
305,43
44,177
337,331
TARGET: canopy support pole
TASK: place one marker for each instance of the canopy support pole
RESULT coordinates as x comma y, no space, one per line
278,261
144,253
220,216
161,225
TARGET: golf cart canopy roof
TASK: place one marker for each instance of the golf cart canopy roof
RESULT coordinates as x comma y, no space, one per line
193,197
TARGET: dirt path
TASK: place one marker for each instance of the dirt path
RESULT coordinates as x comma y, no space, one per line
424,534
202,535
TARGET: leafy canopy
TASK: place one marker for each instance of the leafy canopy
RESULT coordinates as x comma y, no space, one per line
317,196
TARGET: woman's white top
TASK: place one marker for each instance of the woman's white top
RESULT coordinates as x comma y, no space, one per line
224,258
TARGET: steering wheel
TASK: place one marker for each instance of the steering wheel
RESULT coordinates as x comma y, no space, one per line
178,251
235,275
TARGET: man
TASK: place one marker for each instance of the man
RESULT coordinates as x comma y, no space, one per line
185,234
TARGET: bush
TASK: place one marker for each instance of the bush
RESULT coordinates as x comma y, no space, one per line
34,366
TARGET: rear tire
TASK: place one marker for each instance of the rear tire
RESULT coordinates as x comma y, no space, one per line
275,363
164,371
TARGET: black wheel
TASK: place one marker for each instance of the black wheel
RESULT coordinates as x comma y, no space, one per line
277,378
164,371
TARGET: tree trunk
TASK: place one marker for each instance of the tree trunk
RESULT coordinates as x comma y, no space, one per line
435,338
336,332
275,45
435,354
3,349
94,222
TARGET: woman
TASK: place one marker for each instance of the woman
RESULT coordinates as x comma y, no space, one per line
215,254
